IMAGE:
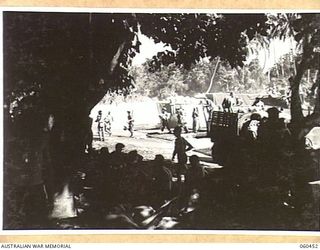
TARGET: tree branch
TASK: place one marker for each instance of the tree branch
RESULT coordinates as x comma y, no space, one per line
114,62
213,75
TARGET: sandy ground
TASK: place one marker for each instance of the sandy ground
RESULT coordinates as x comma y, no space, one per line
148,143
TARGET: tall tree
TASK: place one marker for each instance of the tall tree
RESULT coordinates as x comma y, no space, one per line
162,84
63,63
305,30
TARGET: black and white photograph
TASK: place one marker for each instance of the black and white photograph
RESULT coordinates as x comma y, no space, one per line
161,120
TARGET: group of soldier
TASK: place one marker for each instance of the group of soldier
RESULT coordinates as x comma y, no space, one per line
181,120
104,124
230,102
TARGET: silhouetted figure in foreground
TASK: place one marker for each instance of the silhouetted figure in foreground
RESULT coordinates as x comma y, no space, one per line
118,157
104,157
117,166
273,136
181,146
132,183
162,180
273,131
195,173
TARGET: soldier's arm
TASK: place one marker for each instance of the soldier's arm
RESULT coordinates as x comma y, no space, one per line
174,153
188,145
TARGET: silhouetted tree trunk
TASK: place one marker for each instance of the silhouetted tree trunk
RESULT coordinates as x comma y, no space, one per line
210,89
302,125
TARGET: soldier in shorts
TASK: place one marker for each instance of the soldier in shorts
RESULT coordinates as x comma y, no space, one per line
100,125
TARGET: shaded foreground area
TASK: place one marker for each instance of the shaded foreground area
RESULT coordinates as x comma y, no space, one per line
54,77
123,191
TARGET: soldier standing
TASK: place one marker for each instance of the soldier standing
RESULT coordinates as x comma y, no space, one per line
181,146
195,120
181,120
130,123
107,123
228,103
100,125
165,120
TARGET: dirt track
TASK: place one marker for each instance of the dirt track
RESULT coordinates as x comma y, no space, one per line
148,143
146,146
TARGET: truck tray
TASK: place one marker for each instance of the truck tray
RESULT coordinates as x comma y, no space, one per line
223,123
